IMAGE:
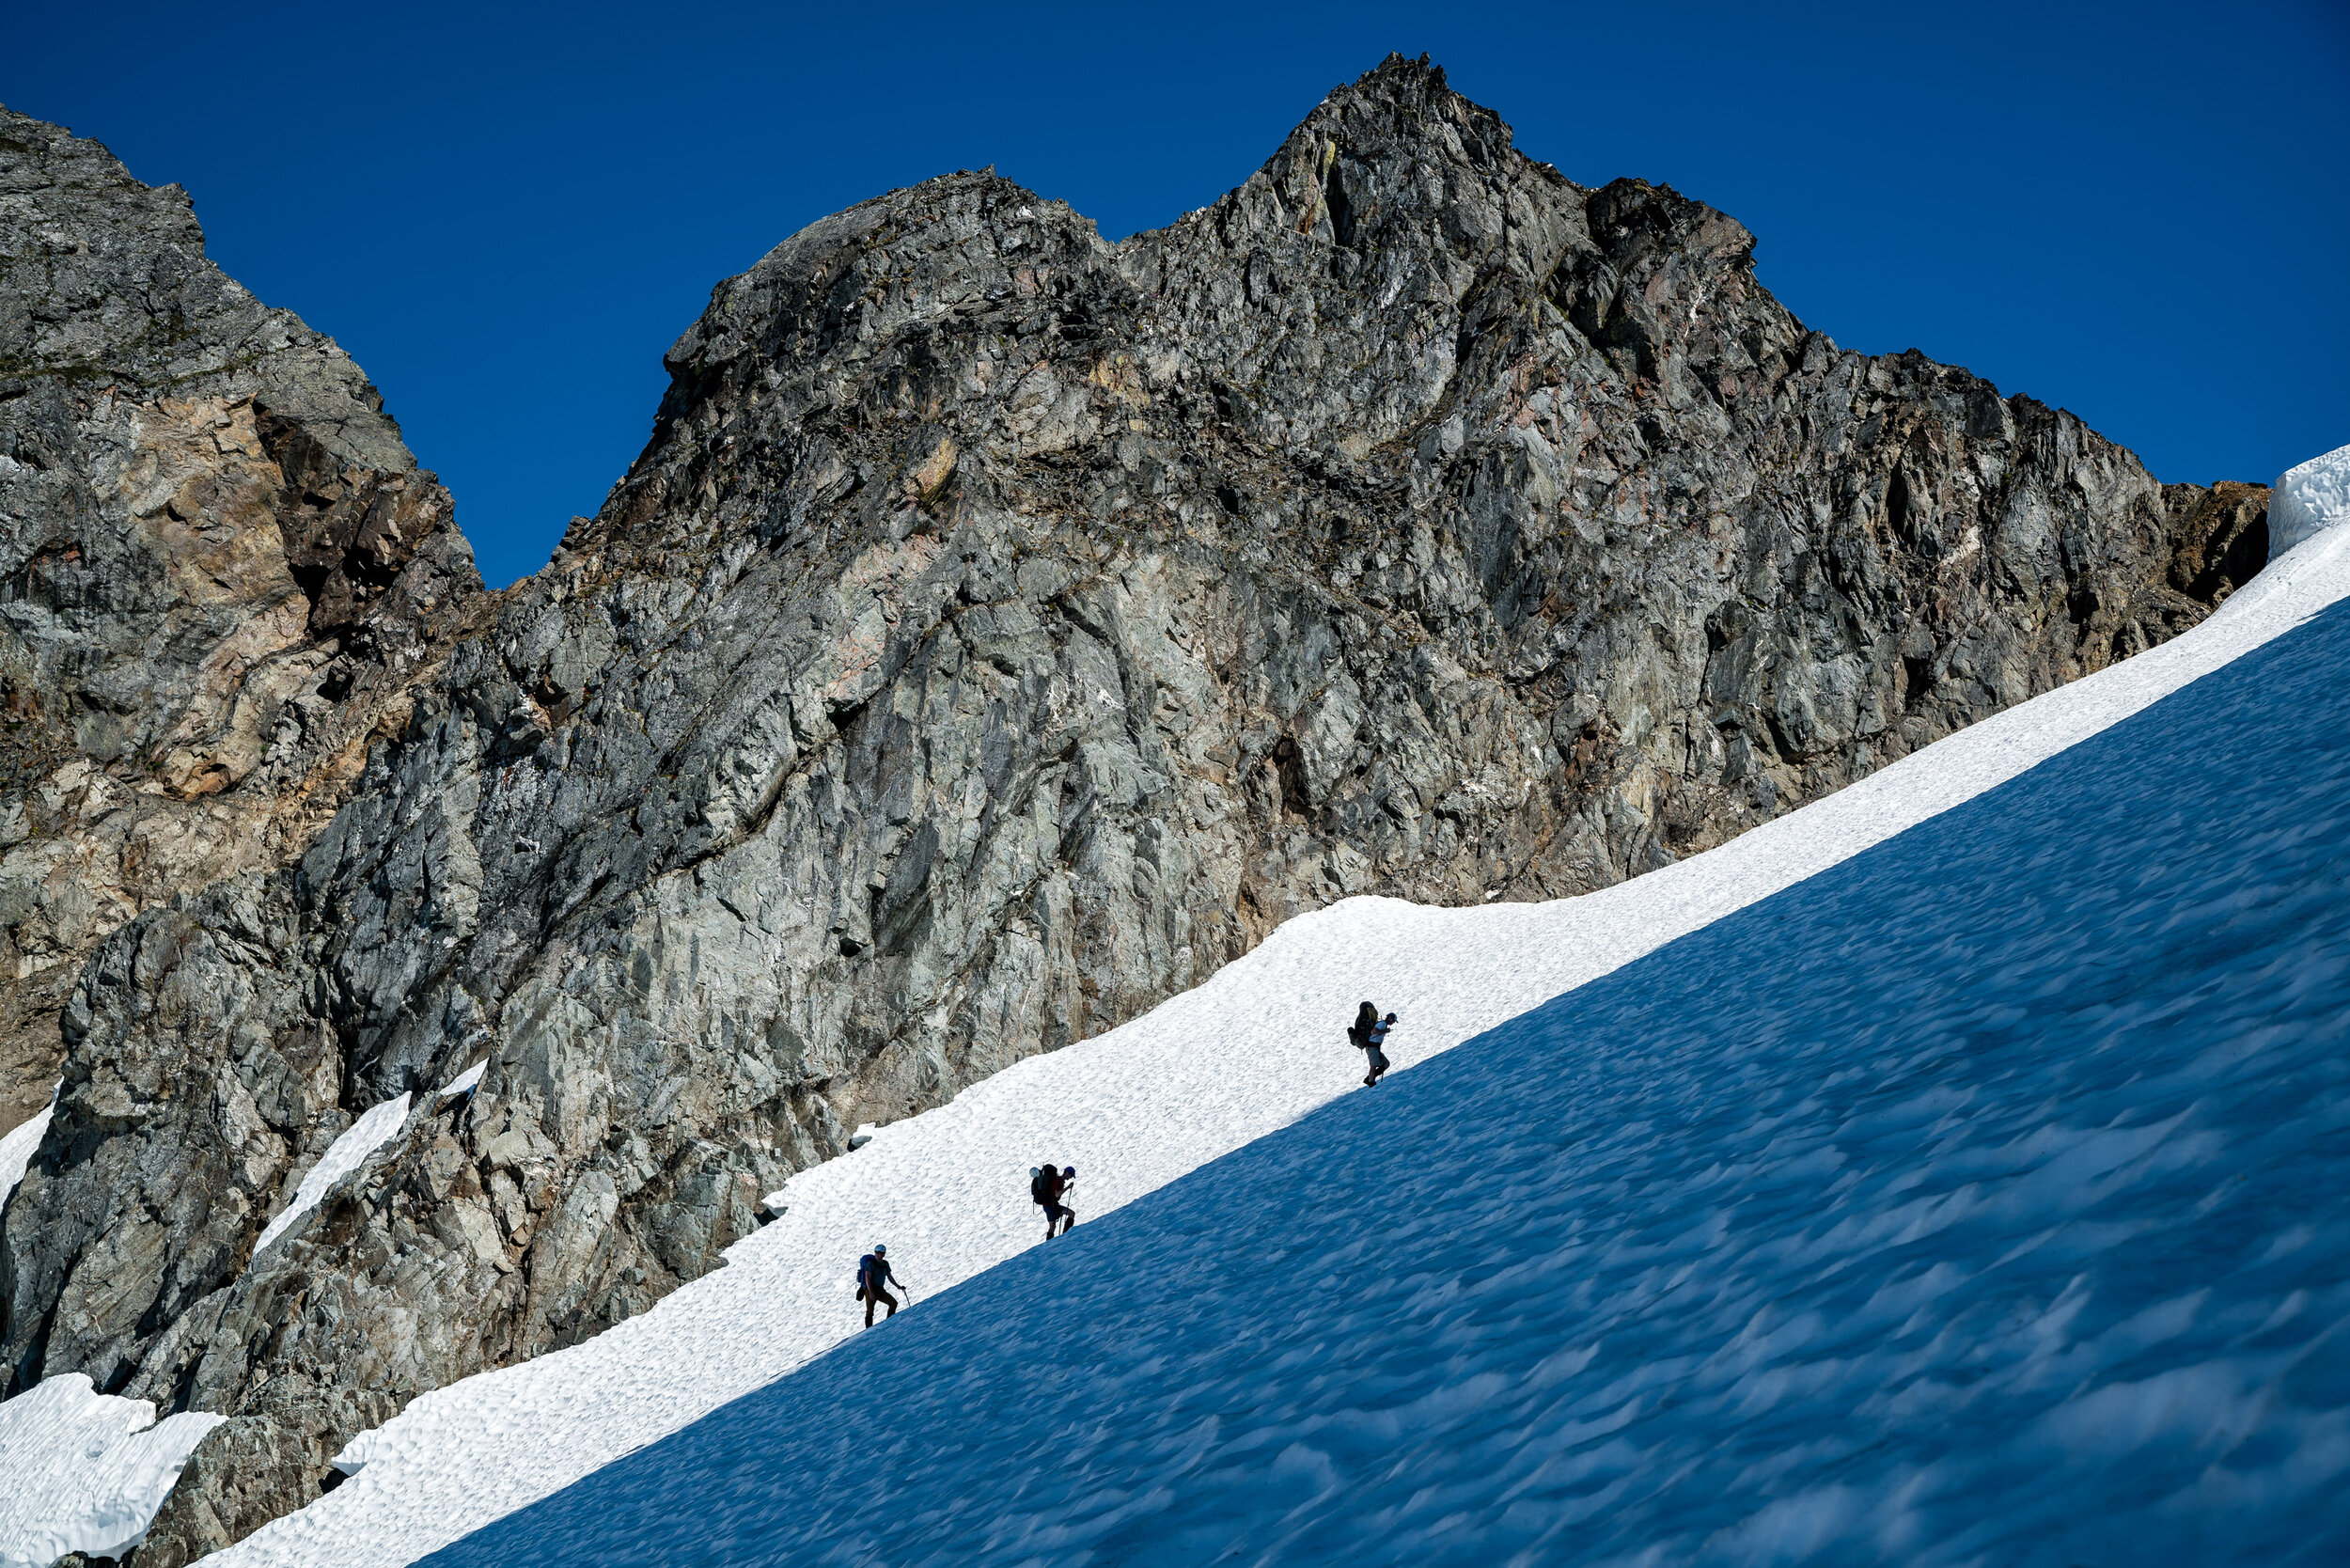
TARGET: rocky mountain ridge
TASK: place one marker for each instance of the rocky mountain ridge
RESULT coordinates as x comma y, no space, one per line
222,572
1001,629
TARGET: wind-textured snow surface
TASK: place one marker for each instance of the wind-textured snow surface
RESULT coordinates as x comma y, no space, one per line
2308,498
1257,1047
376,1126
82,1471
1984,1200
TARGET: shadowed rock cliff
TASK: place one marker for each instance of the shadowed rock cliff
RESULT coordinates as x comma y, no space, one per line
1002,630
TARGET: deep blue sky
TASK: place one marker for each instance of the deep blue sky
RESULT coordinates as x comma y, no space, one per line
2140,213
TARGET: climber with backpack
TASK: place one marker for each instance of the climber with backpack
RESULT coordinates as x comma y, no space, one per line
1366,1034
1048,1185
872,1279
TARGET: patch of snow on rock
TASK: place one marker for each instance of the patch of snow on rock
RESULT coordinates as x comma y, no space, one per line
348,1153
463,1081
16,1149
85,1471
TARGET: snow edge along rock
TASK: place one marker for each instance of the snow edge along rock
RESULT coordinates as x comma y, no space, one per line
87,1471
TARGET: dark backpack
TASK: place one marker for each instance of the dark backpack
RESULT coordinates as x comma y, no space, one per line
1037,1190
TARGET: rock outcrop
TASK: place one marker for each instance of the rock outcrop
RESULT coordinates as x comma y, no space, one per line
1002,630
220,574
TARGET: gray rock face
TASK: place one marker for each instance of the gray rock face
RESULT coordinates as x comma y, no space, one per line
220,571
1002,630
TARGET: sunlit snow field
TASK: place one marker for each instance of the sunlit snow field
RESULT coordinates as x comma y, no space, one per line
1984,1198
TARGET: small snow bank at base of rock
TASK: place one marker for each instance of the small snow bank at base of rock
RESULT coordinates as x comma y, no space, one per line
16,1149
85,1471
1258,1045
2308,498
378,1126
463,1081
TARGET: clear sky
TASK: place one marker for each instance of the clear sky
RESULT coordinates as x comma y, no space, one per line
506,213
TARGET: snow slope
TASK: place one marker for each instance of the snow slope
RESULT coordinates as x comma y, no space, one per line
1983,1201
1251,1051
85,1471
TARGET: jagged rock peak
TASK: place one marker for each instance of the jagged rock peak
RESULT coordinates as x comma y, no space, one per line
1391,131
135,304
